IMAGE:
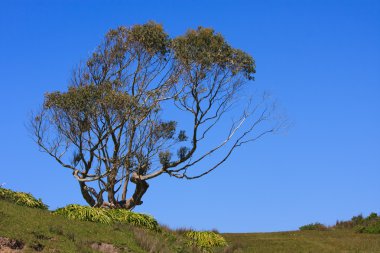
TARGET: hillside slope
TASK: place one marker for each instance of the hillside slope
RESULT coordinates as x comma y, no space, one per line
38,230
344,241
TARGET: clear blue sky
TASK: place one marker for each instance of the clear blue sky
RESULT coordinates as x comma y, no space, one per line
321,59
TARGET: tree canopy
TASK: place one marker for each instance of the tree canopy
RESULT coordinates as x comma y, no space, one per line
110,126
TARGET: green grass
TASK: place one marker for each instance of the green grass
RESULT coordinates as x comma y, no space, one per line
49,232
41,229
59,234
346,241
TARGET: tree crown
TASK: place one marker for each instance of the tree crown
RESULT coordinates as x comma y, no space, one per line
108,126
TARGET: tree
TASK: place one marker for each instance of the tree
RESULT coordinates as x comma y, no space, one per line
109,127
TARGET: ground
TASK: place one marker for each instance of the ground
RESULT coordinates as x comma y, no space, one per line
41,231
344,241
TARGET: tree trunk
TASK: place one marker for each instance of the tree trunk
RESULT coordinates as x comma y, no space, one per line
111,187
86,194
141,187
125,187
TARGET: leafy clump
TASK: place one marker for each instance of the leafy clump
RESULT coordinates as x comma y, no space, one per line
369,224
205,240
22,198
85,213
371,228
359,223
313,226
108,216
135,219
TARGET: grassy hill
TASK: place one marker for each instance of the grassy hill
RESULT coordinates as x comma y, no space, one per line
343,241
38,230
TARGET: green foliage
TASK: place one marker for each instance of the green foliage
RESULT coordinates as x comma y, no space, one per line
38,228
357,219
135,219
372,216
114,104
360,224
164,130
32,226
206,48
372,228
165,157
370,224
151,36
108,216
22,198
205,240
182,136
313,226
182,152
359,229
84,103
85,213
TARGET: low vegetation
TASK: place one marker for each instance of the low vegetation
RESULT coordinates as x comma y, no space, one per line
135,219
40,230
21,198
108,216
311,241
369,224
314,226
76,228
205,240
359,224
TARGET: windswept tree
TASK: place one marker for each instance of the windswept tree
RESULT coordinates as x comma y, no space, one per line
112,126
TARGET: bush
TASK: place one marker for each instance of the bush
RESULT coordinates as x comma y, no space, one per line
372,216
359,229
135,219
108,216
85,213
373,228
205,240
369,224
22,198
357,219
355,222
313,226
